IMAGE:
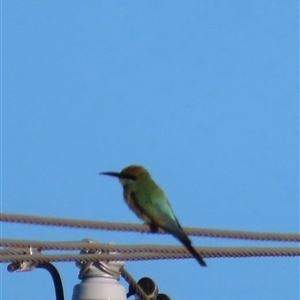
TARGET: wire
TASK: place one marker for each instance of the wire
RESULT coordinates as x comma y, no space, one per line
216,233
59,293
46,245
9,251
114,249
133,285
212,252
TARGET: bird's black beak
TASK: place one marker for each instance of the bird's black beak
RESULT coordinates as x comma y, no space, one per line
119,175
114,174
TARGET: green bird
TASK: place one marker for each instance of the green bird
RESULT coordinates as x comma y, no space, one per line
150,203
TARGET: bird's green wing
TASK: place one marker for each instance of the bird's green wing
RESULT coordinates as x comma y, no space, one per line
152,202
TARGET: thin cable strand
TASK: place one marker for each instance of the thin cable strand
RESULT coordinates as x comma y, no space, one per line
118,249
204,232
131,281
46,245
12,251
208,252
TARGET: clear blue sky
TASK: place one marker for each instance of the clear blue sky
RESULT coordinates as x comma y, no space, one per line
202,93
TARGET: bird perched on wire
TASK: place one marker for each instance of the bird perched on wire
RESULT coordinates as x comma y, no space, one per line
151,204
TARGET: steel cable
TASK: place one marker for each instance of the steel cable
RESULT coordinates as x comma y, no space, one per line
46,245
208,252
133,284
114,226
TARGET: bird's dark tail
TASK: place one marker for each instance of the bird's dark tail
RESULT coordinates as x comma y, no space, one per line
188,245
176,230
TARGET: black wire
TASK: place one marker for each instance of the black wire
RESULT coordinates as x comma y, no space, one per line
131,291
59,292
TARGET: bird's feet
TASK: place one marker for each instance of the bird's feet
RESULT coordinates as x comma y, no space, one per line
153,228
